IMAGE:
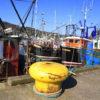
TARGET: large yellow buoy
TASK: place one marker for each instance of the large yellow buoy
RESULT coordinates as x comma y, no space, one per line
48,76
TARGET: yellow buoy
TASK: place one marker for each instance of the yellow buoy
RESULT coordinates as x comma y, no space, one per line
48,76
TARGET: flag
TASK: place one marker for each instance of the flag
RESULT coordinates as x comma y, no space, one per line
86,32
94,32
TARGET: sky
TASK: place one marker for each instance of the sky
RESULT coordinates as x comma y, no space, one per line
55,13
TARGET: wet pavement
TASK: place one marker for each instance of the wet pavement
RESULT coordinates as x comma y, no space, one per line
85,86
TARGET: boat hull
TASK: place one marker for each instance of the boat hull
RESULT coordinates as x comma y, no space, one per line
89,54
72,56
45,54
96,57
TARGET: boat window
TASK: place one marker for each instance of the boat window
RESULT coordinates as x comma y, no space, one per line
77,41
96,44
71,40
67,40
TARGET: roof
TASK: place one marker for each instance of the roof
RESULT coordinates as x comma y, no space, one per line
76,37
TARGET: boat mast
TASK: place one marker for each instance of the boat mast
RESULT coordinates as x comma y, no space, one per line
35,17
43,23
86,8
55,20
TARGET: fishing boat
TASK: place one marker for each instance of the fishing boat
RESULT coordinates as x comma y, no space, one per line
83,50
92,50
73,51
45,50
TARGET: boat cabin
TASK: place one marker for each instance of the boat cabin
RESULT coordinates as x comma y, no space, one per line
74,42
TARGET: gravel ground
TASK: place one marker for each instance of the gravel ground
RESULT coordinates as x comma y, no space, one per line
85,86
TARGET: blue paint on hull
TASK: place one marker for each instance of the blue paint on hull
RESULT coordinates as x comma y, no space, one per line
89,53
96,57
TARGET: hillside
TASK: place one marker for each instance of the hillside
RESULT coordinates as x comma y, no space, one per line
31,31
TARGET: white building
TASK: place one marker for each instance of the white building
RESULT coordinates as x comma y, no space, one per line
96,44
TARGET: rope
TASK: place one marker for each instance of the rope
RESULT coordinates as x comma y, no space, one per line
29,10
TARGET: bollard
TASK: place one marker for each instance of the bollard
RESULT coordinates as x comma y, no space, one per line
48,77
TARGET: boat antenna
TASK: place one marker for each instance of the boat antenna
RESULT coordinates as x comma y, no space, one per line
86,8
70,22
55,23
42,23
55,19
35,16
